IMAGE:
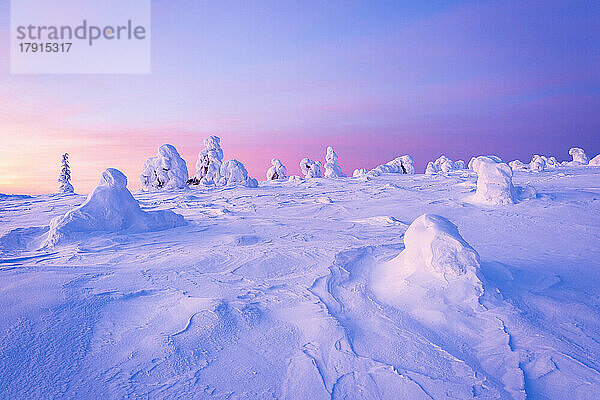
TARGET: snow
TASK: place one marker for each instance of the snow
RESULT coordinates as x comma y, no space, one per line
332,170
65,176
443,165
310,168
538,164
167,170
208,165
234,173
307,289
494,181
277,170
399,165
110,207
578,155
595,162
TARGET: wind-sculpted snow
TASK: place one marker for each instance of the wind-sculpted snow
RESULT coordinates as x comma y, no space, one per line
332,170
595,162
167,170
299,290
494,181
276,171
443,165
208,165
110,207
234,173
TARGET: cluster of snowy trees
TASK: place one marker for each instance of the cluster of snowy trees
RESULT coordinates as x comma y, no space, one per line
443,165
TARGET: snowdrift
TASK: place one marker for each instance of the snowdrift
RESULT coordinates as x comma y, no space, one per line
110,207
277,170
208,166
595,162
400,165
310,168
233,173
443,165
437,281
166,170
332,170
494,181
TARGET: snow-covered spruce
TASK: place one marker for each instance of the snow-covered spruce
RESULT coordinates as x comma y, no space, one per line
332,170
538,163
166,170
208,166
277,170
437,280
310,168
65,176
399,165
233,173
110,207
443,165
494,181
579,156
595,162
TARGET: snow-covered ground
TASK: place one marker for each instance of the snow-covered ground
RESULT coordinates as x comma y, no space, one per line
301,289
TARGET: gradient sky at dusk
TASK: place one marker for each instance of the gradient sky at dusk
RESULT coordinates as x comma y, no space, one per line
374,79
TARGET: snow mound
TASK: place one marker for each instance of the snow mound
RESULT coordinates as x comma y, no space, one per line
332,170
208,166
595,162
277,170
310,168
579,157
443,165
110,207
359,172
437,281
166,170
494,181
233,173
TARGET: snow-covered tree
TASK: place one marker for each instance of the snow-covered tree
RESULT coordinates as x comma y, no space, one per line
310,168
399,165
166,170
494,181
233,173
208,166
579,156
65,176
277,170
332,170
443,165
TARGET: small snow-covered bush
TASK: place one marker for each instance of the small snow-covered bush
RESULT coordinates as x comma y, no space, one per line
208,166
310,168
494,181
332,170
65,176
166,170
110,207
277,170
579,156
233,173
399,165
443,165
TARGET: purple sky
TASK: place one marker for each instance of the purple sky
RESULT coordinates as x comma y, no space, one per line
374,79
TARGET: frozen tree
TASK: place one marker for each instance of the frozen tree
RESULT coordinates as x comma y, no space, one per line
399,165
233,173
166,170
538,163
110,207
277,170
494,181
518,165
65,176
208,166
310,168
332,170
443,165
579,157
